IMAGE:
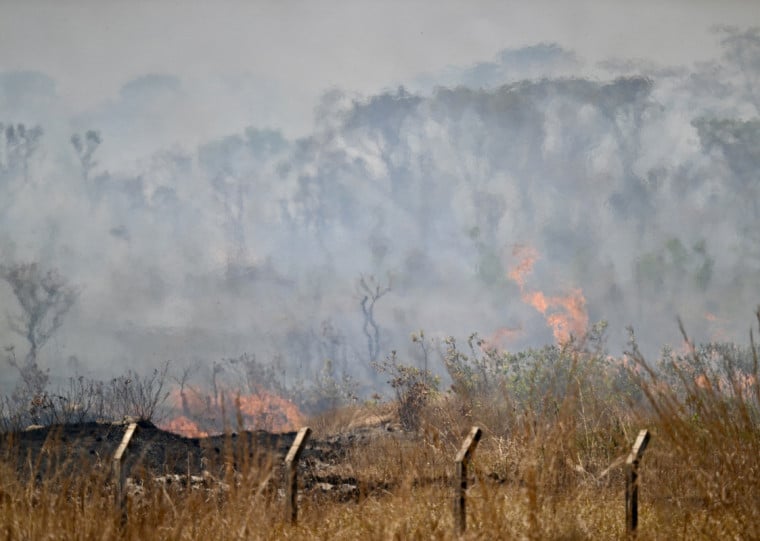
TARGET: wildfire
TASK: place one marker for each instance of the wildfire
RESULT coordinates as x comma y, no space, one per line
184,427
203,414
718,328
501,337
527,257
565,314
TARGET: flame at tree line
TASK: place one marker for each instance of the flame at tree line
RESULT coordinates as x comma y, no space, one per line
565,314
204,414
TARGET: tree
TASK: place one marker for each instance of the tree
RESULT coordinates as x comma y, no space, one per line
85,148
19,146
371,292
742,50
44,297
221,161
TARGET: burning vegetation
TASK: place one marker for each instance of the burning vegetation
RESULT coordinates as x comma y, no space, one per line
204,414
431,189
558,423
565,314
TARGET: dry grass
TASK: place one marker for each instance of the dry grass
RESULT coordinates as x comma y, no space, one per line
548,472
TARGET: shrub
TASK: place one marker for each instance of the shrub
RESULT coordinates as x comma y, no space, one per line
412,386
82,399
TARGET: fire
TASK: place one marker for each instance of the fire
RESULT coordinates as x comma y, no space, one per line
203,414
185,427
501,337
270,411
527,258
719,331
537,300
565,314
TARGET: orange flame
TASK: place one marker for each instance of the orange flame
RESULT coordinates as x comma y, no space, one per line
565,314
718,328
524,267
184,427
501,337
203,414
270,411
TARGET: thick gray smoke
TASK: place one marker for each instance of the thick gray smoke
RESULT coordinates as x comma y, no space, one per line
638,186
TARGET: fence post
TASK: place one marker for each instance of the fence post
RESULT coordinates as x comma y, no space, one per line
462,460
291,474
119,473
632,482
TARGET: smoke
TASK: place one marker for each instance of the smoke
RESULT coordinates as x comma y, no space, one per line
636,193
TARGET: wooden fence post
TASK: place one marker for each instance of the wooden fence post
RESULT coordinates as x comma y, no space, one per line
291,474
632,482
119,473
462,460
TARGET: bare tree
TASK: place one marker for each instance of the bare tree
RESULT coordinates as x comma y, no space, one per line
86,147
371,292
231,181
230,192
18,144
44,297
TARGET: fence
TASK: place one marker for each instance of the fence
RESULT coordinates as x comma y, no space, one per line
462,461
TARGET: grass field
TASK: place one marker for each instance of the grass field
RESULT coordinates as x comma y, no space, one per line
549,465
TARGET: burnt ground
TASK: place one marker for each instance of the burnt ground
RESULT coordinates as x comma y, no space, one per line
76,448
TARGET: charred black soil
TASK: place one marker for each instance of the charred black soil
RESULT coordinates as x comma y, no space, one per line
85,448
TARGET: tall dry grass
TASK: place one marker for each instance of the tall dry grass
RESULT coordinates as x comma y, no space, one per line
550,465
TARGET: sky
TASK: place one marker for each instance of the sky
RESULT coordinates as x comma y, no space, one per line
216,179
289,53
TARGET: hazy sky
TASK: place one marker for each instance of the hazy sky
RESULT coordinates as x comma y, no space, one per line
296,50
228,174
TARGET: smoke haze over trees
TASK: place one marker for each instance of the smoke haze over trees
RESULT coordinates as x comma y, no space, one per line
637,187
